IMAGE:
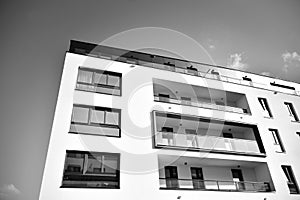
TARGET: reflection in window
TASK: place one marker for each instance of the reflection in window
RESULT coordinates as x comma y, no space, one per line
80,115
99,81
95,120
86,169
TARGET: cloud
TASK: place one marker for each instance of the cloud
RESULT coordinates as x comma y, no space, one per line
290,59
8,190
211,46
235,62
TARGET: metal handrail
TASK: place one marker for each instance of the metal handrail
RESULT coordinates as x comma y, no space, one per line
238,185
201,103
186,179
209,136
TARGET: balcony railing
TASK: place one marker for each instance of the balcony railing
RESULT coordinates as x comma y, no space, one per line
219,185
206,142
170,64
200,104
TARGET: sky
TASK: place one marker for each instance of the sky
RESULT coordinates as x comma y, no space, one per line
260,36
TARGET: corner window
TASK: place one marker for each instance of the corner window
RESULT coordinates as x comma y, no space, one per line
91,170
95,120
99,81
277,141
290,178
291,111
265,107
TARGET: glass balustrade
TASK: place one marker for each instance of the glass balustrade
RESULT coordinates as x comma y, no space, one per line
221,185
206,142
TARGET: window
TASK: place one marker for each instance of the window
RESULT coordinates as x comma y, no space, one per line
277,140
99,81
91,169
291,111
171,177
95,120
164,97
291,181
265,107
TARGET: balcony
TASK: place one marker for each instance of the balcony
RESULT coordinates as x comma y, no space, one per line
201,97
175,131
189,173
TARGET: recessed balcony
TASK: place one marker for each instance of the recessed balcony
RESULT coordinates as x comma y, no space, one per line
187,173
201,97
176,131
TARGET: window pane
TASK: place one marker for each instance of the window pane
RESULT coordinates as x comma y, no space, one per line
97,116
74,163
94,165
80,114
85,87
112,118
292,112
261,101
113,80
100,78
85,76
108,90
110,164
266,109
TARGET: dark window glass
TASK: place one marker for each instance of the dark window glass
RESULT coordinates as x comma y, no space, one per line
265,107
291,111
277,140
85,169
290,178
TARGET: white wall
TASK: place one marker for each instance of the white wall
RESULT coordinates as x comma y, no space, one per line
139,174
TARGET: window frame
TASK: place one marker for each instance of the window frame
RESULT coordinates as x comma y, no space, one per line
292,111
289,174
265,106
277,139
83,173
98,85
93,124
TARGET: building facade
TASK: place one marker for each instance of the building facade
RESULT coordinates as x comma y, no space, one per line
131,125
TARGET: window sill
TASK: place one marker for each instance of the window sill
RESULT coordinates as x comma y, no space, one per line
82,187
282,152
268,117
82,90
295,121
115,136
295,193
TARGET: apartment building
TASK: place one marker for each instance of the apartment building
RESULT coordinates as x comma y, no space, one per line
132,125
